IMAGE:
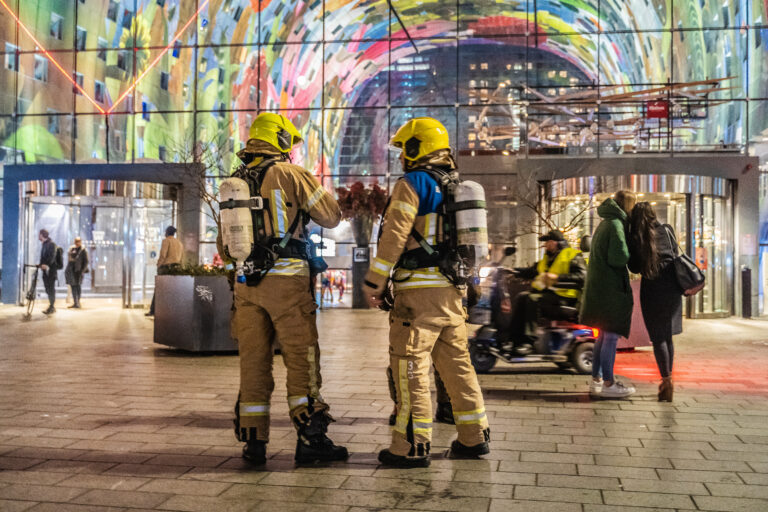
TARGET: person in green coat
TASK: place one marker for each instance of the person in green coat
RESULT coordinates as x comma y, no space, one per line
607,301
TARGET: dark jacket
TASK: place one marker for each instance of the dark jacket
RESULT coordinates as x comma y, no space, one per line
660,297
77,265
48,257
607,300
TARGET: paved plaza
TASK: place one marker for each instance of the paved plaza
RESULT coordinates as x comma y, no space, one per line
94,416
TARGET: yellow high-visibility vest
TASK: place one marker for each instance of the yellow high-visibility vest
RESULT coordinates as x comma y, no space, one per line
561,265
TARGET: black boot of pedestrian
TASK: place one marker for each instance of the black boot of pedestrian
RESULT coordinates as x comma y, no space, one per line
313,445
51,310
444,413
255,452
400,461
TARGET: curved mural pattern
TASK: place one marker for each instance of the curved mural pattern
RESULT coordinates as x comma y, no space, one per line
318,61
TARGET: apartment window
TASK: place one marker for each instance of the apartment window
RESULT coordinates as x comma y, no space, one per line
145,110
56,26
112,10
79,81
127,18
82,1
53,122
221,75
122,60
164,77
238,13
81,35
11,57
102,45
176,49
74,127
162,153
252,94
41,68
98,91
161,3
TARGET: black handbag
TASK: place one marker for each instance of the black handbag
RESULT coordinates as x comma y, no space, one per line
689,276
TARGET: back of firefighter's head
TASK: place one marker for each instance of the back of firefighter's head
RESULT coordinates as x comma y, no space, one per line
554,241
419,138
276,130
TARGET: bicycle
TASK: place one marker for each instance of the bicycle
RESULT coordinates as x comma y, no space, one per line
32,292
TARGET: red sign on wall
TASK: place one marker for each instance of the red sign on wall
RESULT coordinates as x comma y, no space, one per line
658,109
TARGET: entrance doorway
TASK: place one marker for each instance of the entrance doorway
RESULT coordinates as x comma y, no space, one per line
700,210
121,225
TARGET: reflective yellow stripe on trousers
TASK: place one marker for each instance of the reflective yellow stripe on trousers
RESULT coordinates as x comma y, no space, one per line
469,417
401,424
290,267
429,277
254,409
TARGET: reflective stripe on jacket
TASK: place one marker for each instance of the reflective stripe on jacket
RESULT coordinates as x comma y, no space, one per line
401,216
560,266
290,188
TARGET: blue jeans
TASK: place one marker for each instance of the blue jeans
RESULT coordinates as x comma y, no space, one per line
604,355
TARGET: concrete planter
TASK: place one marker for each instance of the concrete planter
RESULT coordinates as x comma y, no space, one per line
193,313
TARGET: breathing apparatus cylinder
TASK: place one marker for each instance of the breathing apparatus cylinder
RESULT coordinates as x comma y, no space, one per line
236,223
471,221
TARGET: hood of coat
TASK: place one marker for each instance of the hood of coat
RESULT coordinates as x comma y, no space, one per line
611,210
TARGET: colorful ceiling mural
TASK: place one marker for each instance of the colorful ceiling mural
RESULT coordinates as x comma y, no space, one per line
171,72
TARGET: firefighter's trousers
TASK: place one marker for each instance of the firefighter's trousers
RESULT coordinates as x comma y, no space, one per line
431,322
280,306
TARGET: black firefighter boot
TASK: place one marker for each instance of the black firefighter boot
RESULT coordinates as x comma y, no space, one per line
255,450
313,445
444,413
460,451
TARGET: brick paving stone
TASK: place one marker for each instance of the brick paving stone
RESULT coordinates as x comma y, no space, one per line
147,470
502,505
207,504
524,492
300,507
31,477
624,508
648,499
578,482
114,483
537,467
663,486
134,499
617,471
16,506
360,498
268,492
730,504
738,491
457,504
7,462
68,507
501,477
38,493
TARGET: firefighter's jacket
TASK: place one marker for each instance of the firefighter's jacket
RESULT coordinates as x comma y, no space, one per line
413,205
288,188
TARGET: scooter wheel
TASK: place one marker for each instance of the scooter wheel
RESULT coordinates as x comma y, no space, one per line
482,360
581,357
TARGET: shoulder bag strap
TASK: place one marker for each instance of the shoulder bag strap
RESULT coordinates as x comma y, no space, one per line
672,239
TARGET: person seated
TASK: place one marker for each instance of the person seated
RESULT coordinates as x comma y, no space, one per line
558,279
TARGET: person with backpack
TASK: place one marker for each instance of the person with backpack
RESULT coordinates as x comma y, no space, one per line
427,318
273,295
51,261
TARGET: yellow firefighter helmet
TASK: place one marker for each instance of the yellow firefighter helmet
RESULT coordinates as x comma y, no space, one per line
275,129
419,137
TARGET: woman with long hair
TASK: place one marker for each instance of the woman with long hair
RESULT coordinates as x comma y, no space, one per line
607,300
652,248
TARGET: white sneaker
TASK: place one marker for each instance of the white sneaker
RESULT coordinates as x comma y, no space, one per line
595,386
617,390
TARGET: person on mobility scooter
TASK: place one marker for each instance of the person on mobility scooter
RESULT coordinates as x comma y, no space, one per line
538,324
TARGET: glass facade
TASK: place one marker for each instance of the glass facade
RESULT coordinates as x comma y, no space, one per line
130,80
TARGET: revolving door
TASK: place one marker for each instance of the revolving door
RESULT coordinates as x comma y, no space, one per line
121,224
699,209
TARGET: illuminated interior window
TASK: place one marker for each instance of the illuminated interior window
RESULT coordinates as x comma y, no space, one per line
164,77
56,29
11,57
81,36
98,91
41,68
53,122
112,10
79,81
102,46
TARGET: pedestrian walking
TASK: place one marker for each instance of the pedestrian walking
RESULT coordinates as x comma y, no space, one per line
171,255
607,303
50,264
652,252
77,266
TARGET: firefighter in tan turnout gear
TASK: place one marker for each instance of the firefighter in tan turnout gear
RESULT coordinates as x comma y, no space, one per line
272,293
427,317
